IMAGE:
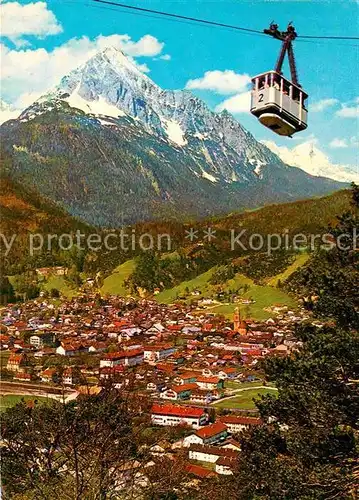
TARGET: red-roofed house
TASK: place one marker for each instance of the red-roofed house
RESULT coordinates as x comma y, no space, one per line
165,367
23,376
108,373
225,465
49,375
182,391
66,349
67,377
186,378
231,444
204,396
16,362
210,453
131,357
210,434
199,471
236,423
4,341
158,352
227,373
176,415
174,328
210,382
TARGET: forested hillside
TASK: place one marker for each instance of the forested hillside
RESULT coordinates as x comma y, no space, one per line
25,213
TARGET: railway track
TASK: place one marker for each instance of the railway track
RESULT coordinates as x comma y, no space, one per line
25,389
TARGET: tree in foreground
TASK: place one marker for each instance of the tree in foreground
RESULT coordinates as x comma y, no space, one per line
79,450
308,447
329,282
94,448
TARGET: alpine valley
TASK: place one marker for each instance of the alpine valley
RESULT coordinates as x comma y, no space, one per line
111,147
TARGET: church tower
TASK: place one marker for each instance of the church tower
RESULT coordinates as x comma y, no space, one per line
239,326
236,319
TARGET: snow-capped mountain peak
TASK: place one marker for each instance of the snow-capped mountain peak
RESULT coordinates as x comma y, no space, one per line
312,160
118,59
110,84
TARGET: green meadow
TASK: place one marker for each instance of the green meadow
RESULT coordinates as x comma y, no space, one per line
114,284
245,399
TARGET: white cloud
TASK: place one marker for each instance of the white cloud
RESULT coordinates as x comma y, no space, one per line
338,143
348,111
352,142
8,115
221,82
7,112
26,99
147,46
323,104
31,72
239,103
31,19
142,67
165,57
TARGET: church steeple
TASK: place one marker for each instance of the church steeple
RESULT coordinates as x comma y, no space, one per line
236,319
239,326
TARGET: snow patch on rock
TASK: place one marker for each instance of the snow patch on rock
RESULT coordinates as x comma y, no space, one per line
209,177
174,132
96,107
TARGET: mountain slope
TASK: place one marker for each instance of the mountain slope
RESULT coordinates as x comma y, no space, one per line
302,216
122,149
23,211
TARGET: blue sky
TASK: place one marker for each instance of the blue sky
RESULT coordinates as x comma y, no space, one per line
328,71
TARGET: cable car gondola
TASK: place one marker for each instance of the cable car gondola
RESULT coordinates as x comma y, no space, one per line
277,102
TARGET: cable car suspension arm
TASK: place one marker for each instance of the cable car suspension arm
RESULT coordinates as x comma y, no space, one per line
287,38
292,65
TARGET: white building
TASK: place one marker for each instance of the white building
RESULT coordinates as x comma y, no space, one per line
210,454
209,434
70,349
157,353
67,377
237,424
131,357
224,465
209,382
36,341
178,415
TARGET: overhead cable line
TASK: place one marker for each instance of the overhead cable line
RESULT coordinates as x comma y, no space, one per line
154,16
178,16
212,23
